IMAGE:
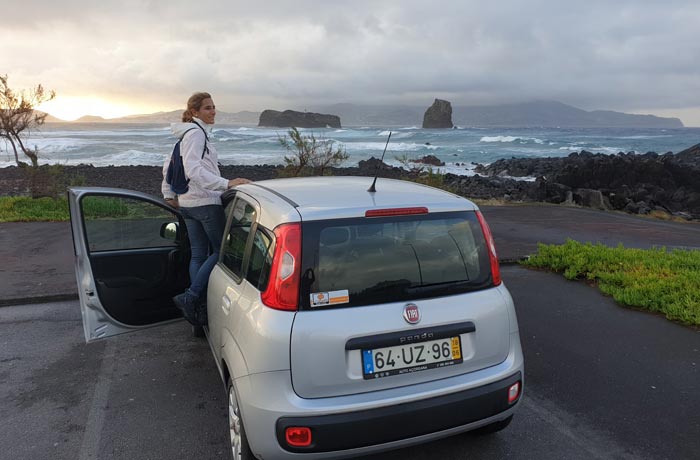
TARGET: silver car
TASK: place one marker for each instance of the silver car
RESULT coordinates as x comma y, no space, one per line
343,322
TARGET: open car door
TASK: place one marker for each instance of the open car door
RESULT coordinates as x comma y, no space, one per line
131,257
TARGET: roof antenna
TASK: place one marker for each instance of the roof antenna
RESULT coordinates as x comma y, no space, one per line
371,188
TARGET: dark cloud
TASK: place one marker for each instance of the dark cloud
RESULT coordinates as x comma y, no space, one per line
620,55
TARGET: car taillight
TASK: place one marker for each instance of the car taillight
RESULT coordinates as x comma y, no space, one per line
493,258
282,291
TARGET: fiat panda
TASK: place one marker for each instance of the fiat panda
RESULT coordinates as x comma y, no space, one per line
343,320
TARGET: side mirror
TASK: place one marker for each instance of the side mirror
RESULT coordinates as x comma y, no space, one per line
170,231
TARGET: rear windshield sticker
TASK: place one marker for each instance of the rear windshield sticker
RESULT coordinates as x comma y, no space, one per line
319,299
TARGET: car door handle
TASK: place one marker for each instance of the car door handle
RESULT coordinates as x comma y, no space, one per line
226,304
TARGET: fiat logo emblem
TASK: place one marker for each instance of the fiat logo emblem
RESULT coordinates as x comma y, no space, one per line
411,313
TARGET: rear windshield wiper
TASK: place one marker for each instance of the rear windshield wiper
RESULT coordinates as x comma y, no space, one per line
448,287
400,285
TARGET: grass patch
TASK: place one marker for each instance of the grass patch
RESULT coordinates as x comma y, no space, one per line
651,279
26,209
101,207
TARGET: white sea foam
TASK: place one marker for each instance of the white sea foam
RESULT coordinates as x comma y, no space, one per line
511,139
258,158
55,145
395,135
498,139
147,144
129,158
398,146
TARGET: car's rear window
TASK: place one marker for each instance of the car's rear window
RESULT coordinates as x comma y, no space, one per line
361,261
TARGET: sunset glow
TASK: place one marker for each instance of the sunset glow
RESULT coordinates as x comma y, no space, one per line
71,108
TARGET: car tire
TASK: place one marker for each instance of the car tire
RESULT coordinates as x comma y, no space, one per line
197,331
493,427
240,450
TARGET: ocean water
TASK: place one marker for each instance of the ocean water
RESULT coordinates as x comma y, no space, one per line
103,144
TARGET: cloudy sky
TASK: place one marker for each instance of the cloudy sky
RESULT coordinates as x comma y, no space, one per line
141,56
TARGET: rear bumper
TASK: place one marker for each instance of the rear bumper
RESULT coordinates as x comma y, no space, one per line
366,423
388,424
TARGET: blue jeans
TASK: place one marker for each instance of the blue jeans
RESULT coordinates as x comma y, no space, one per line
205,228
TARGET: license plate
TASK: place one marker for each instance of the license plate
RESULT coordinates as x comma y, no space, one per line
414,357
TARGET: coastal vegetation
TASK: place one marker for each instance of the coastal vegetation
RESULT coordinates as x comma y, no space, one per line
18,118
27,209
309,156
423,173
656,280
47,209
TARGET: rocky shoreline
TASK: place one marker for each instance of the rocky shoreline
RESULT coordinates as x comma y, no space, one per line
639,184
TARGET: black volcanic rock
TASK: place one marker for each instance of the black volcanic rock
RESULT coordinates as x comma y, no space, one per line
438,115
626,181
431,160
291,118
690,156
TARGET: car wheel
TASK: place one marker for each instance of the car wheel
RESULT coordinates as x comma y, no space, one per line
239,443
493,427
197,331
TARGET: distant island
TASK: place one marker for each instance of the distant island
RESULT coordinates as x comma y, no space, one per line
292,118
544,114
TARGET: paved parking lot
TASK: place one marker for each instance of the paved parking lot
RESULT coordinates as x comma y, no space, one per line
601,382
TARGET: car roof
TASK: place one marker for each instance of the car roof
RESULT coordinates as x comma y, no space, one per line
328,197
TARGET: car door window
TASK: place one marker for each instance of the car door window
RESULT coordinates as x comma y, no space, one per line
241,217
119,223
260,260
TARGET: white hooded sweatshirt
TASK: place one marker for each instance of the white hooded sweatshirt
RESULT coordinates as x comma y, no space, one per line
206,183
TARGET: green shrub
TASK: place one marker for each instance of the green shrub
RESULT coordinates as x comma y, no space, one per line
657,280
25,209
310,156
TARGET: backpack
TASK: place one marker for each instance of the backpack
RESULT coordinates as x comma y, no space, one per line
175,176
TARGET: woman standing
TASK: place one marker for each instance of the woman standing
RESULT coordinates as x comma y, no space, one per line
201,204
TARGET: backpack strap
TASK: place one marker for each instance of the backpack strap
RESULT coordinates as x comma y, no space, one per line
183,134
206,138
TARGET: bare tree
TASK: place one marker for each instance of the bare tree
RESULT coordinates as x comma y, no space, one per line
18,117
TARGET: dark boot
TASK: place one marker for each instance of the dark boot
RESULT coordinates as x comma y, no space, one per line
187,303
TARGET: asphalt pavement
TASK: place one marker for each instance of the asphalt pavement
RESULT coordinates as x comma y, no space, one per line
36,259
601,382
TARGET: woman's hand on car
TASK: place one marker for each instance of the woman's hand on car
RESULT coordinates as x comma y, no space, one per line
238,181
172,202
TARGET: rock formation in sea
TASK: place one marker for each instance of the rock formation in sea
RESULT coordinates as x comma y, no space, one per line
438,115
291,118
430,160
